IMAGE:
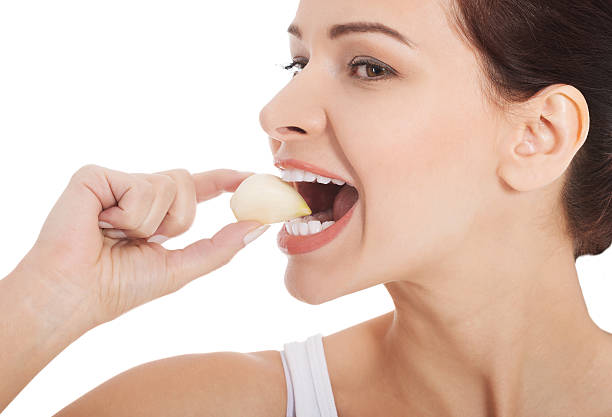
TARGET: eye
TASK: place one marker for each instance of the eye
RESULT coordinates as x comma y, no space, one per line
374,70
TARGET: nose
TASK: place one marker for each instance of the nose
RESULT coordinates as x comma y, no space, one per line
296,113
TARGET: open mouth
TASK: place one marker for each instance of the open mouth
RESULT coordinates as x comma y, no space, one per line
328,202
332,202
330,199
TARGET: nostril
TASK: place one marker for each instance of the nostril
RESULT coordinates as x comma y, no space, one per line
283,130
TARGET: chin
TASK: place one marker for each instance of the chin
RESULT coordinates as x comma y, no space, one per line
317,287
309,286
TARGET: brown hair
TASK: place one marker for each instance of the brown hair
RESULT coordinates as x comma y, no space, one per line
524,46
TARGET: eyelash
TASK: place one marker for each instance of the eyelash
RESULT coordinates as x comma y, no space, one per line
352,66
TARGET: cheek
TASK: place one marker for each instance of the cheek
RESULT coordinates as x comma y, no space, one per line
422,166
423,183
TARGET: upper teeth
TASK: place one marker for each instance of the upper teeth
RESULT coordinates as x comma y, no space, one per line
295,175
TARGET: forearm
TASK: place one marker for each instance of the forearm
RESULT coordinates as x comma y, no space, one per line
37,321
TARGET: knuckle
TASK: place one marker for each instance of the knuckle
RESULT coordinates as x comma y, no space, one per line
183,173
89,167
134,215
132,220
170,187
182,224
146,188
143,230
147,230
140,234
215,173
166,184
191,214
225,259
179,172
145,191
186,218
162,178
86,170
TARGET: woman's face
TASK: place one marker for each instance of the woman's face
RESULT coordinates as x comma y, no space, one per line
418,142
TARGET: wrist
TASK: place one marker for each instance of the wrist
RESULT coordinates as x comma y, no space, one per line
38,322
57,308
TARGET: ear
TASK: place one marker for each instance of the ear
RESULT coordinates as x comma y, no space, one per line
547,135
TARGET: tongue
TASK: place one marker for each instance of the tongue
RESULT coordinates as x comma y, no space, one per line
344,201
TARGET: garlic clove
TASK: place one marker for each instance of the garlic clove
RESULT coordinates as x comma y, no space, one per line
267,199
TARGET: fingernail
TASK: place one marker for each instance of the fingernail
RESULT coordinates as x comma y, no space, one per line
254,234
157,239
105,225
115,234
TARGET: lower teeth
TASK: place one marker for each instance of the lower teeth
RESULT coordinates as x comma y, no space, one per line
304,227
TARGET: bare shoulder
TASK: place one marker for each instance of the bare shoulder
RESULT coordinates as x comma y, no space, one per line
210,384
363,339
352,357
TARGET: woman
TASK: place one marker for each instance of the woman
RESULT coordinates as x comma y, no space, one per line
473,225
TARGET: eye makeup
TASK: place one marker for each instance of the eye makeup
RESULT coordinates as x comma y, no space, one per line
374,70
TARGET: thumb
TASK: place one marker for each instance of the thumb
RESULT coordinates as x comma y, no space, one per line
206,255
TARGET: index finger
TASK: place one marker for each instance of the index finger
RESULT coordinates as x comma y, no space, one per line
210,184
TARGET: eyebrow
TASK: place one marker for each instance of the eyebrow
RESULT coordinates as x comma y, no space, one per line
358,27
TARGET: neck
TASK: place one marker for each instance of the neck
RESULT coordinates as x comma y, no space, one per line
502,338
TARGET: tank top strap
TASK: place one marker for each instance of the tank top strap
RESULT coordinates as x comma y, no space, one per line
309,392
290,394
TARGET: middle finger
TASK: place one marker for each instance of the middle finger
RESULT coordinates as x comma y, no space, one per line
182,212
164,193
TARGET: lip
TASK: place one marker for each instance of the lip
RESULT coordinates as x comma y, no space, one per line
306,166
295,245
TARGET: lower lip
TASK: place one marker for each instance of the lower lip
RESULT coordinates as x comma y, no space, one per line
295,245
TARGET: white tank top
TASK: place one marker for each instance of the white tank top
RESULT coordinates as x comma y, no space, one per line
309,392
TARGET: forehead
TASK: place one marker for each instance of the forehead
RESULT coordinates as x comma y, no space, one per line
423,21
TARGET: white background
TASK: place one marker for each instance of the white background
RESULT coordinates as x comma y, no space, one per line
147,86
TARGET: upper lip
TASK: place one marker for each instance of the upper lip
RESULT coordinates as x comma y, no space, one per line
306,166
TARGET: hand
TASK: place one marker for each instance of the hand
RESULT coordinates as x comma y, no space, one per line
115,270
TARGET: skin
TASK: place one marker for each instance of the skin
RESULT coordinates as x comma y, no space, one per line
77,276
489,317
460,221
